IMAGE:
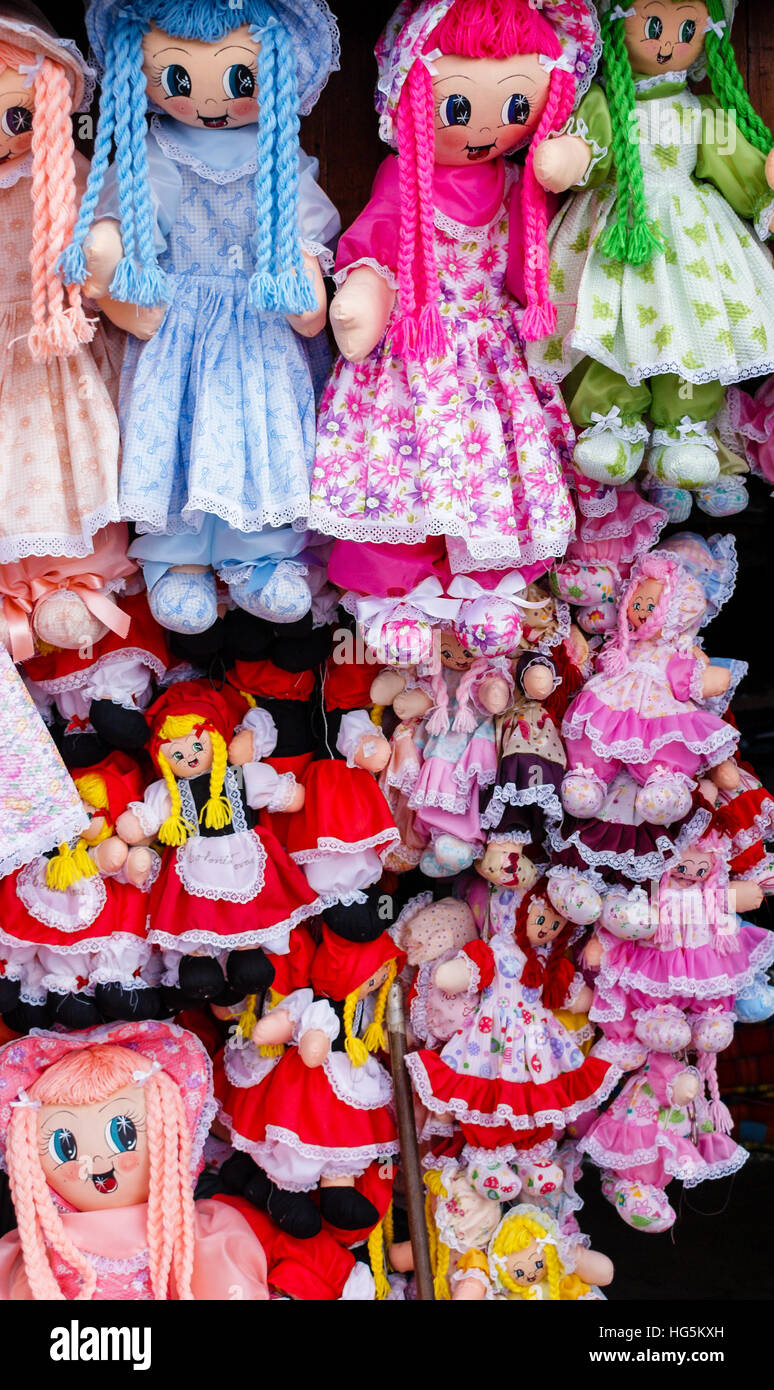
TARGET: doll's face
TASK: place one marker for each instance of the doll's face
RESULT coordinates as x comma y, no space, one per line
485,107
454,656
96,1156
16,107
544,923
375,981
527,1266
643,602
538,682
97,823
694,867
210,85
189,756
665,35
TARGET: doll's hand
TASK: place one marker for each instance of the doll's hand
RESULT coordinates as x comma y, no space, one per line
103,250
745,895
276,1027
296,802
141,322
314,1047
726,776
401,1256
561,163
138,865
685,1088
453,976
582,1001
110,855
538,682
700,655
313,321
129,828
592,955
386,686
715,681
709,790
412,704
372,753
468,1291
360,313
593,1267
240,749
494,694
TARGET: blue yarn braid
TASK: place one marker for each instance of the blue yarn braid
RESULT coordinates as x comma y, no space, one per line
295,294
138,278
262,289
72,262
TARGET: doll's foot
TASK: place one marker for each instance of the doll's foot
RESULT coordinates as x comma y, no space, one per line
640,1205
354,921
574,896
596,620
583,794
664,1029
628,915
63,620
185,602
677,502
431,867
119,727
664,799
712,1032
757,1002
685,465
406,641
284,598
74,1011
235,1174
294,1212
200,977
9,994
28,1015
494,1180
172,1001
727,497
347,1209
539,1179
606,457
115,1001
453,854
249,972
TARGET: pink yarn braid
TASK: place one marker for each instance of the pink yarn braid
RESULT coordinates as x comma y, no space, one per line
465,719
438,722
431,339
615,658
539,319
719,1113
403,336
41,1231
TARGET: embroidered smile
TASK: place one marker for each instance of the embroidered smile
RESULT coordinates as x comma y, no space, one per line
479,151
216,122
105,1182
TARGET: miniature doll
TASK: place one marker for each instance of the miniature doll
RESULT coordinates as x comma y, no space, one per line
529,1258
101,1134
665,296
430,426
615,527
212,223
532,760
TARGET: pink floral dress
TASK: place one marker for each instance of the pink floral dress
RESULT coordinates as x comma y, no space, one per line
465,446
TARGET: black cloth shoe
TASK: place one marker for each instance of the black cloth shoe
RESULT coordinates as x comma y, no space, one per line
200,978
347,1209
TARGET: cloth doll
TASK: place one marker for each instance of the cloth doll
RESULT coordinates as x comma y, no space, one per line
101,1135
658,1128
744,815
642,712
72,923
529,1258
212,223
321,1118
514,1075
319,1270
599,559
532,762
39,806
458,1220
226,888
58,424
665,295
430,426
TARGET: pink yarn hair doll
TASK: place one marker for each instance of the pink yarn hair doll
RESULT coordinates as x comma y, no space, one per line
58,427
432,438
102,1134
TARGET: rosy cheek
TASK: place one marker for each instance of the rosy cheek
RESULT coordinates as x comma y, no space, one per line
181,106
71,1172
244,109
126,1163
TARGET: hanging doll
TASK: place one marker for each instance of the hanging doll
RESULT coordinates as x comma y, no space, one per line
226,888
658,1128
642,713
666,296
72,922
58,428
322,1117
514,1075
213,217
532,761
101,1135
529,1258
430,426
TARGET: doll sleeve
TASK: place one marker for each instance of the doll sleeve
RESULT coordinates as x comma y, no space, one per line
318,219
266,789
592,123
229,1260
154,808
373,238
685,674
472,1265
479,956
577,983
165,186
736,168
307,1012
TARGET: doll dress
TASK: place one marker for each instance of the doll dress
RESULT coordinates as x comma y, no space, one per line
464,446
58,426
455,767
217,408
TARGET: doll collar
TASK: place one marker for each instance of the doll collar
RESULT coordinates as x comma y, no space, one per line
661,85
212,153
22,169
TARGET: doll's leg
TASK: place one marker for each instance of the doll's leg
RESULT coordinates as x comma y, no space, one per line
182,594
640,1200
342,1206
120,991
665,785
608,413
585,785
683,452
66,978
490,1173
264,570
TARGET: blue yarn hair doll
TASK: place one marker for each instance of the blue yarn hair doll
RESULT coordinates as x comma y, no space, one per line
206,239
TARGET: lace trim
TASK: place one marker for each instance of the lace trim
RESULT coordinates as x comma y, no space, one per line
89,947
323,254
454,802
763,825
727,374
633,750
27,885
328,845
621,530
578,127
105,1265
413,906
76,680
384,271
22,170
636,867
149,823
262,937
714,987
334,1163
646,84
507,549
72,547
504,1114
680,1168
283,792
173,151
375,1073
627,1056
68,824
696,684
459,231
472,1155
127,980
155,522
544,796
598,506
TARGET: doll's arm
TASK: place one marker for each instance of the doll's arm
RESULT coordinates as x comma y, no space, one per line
366,269
110,855
581,155
470,1282
360,312
579,997
311,323
745,895
318,223
736,168
270,790
389,683
593,1267
471,969
142,819
691,677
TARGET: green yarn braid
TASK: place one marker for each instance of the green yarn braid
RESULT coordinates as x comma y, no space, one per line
728,85
636,244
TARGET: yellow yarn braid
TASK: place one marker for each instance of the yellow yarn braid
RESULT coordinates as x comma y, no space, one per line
69,865
216,813
374,1037
376,1258
354,1047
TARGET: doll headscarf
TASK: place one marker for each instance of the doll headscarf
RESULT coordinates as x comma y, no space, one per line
298,50
712,562
679,612
123,781
174,1050
566,33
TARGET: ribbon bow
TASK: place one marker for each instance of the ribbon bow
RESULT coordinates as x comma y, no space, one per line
18,604
426,601
612,421
716,27
140,1077
511,588
24,1100
31,70
430,59
688,426
564,64
618,12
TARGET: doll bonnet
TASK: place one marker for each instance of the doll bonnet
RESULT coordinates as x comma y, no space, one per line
298,49
23,25
217,711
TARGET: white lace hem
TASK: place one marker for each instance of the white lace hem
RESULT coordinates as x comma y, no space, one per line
490,552
22,170
375,1095
728,372
721,742
545,796
333,1163
152,521
327,845
504,1114
278,931
27,885
76,680
636,867
68,825
681,986
384,271
55,544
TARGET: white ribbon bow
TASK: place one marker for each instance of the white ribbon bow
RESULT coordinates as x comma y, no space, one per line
716,27
430,59
140,1077
618,12
426,601
24,1100
31,70
688,426
612,421
564,64
510,588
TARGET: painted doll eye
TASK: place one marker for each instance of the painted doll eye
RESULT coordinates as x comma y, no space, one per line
121,1134
238,81
62,1146
177,757
17,120
516,110
198,747
454,110
653,28
687,31
176,81
540,921
538,1264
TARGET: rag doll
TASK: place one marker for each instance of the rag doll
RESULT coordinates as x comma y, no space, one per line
529,1258
205,239
531,762
431,426
614,529
665,295
458,1220
101,1134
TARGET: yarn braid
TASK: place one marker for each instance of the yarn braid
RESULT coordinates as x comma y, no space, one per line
539,318
635,245
728,84
262,282
72,265
295,293
38,1220
403,336
162,1150
431,338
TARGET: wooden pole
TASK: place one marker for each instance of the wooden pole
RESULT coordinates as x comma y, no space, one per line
409,1149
